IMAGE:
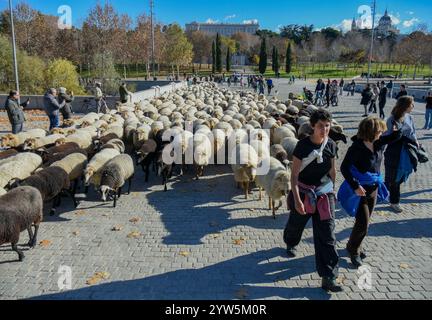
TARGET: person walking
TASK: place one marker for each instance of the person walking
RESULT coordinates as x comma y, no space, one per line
366,99
66,111
52,107
15,111
269,85
402,92
363,182
261,85
352,88
334,93
327,93
382,99
124,93
98,95
398,164
375,94
313,176
428,115
341,86
390,87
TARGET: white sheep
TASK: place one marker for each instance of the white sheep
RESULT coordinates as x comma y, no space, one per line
22,166
244,162
92,173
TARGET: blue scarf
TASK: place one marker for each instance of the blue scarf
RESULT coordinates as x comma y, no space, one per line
350,201
405,166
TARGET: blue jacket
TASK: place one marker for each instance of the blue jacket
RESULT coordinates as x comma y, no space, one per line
405,166
350,201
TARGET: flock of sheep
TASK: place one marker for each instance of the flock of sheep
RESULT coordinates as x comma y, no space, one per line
200,125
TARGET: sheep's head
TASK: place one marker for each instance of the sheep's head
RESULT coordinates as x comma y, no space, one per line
57,131
68,123
106,192
282,182
71,131
60,141
29,144
85,124
8,140
88,173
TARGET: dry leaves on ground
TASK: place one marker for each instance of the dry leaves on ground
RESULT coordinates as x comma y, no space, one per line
97,277
117,228
404,266
184,253
239,242
135,220
134,235
80,213
45,243
75,233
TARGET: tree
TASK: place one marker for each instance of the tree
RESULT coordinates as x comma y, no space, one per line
289,59
218,53
267,33
62,73
331,33
104,70
273,58
263,57
213,56
201,46
276,63
179,51
297,33
228,60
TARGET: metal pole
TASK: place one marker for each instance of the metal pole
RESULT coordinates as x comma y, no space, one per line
152,36
14,48
372,40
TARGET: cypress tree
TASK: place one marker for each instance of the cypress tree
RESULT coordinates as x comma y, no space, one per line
263,57
228,60
273,58
213,57
289,58
218,53
276,61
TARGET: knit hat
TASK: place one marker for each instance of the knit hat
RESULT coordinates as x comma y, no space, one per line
62,90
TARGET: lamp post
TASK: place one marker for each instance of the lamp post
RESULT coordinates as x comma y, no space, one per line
14,48
372,40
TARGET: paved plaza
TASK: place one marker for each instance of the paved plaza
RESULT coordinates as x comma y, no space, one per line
203,240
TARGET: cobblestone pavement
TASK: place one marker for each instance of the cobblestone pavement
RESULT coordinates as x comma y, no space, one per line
202,240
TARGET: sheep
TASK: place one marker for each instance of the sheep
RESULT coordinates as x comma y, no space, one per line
116,129
83,139
92,173
276,184
244,165
115,144
289,144
50,182
114,175
17,140
146,156
281,133
202,153
74,165
8,153
305,130
36,143
22,166
20,208
57,153
278,152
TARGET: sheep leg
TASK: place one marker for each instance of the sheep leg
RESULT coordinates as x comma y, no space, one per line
274,209
270,203
115,199
130,184
30,233
34,239
119,192
146,169
246,189
86,189
56,203
20,253
260,194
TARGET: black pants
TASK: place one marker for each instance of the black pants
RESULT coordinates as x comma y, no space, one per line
361,225
381,109
327,96
392,185
326,256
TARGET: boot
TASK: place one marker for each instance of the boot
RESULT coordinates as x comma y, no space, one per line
330,285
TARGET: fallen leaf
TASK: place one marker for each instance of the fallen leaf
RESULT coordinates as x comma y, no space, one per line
97,277
215,235
75,233
414,204
382,213
341,279
404,266
117,228
241,293
184,253
80,213
238,242
103,275
45,243
135,220
135,234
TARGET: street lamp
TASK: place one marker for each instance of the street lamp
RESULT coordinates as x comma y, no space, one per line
14,47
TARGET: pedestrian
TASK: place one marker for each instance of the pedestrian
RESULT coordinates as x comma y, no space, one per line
52,107
334,93
98,95
327,93
428,124
124,93
269,85
402,92
398,165
341,86
15,111
364,184
352,88
261,85
390,87
382,99
67,110
375,94
313,177
366,99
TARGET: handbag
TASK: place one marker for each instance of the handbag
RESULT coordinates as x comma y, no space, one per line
422,155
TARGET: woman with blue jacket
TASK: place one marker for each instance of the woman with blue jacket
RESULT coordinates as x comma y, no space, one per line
364,184
397,162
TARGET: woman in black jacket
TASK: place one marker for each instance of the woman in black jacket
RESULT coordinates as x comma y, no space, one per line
67,109
365,154
366,99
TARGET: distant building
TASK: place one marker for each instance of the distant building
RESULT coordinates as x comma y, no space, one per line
384,28
225,29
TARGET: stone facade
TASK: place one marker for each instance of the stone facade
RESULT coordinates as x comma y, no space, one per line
225,29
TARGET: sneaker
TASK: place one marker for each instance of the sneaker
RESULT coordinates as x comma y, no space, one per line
396,208
291,251
330,285
356,261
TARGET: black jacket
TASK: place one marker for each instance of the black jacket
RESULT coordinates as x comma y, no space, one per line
366,97
383,94
401,94
14,111
67,109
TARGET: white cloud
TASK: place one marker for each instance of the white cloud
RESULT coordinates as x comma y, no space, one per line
251,21
410,23
410,13
230,17
211,21
395,19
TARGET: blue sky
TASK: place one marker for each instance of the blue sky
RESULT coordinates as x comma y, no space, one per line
270,14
